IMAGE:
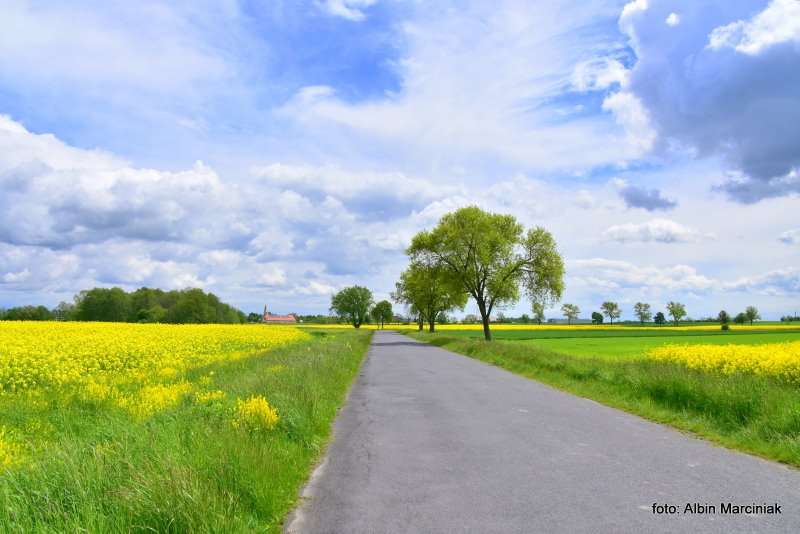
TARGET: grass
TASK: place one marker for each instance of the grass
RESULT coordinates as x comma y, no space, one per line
760,415
630,347
629,344
91,467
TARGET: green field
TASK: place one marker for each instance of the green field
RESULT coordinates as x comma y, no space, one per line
757,414
89,466
623,343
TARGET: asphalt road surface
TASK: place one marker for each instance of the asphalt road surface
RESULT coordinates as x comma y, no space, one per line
434,442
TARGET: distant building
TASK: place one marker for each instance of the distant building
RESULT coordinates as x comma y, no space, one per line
564,321
271,318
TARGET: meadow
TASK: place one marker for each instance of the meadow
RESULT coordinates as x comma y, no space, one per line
738,388
109,427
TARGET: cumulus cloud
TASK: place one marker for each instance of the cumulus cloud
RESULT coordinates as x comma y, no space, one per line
604,273
648,199
779,282
778,23
347,9
673,19
632,115
718,80
656,230
385,195
58,196
84,218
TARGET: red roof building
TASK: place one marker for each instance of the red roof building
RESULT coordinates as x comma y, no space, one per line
272,318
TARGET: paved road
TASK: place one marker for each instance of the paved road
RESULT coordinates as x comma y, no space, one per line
434,442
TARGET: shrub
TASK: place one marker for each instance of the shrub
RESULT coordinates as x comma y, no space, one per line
255,414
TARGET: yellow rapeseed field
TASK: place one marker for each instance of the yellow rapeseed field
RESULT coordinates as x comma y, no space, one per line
139,367
780,360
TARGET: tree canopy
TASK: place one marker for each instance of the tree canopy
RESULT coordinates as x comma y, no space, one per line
677,311
490,255
148,305
382,312
642,311
352,304
571,312
751,312
611,310
429,290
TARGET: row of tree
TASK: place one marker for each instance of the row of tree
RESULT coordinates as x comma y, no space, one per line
145,305
355,305
612,310
487,257
492,259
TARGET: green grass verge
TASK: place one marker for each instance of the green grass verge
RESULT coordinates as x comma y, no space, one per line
93,468
753,414
522,335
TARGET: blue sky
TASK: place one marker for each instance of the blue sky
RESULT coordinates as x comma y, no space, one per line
274,151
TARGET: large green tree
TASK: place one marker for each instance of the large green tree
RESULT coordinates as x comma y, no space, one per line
751,312
103,304
490,255
427,288
677,311
352,304
571,312
642,311
611,310
382,312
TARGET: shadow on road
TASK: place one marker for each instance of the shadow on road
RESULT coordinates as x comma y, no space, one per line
397,344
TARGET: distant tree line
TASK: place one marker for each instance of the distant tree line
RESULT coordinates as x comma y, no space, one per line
145,305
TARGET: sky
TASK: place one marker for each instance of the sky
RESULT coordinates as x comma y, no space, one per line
275,151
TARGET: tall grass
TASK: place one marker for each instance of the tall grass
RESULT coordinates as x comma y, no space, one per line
94,468
755,414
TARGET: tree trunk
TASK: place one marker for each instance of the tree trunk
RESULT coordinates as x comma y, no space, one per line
420,326
431,326
487,334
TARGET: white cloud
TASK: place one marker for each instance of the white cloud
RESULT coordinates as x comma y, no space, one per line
778,23
778,282
631,114
348,9
347,184
39,43
655,230
615,274
708,88
479,79
20,276
598,74
271,275
673,19
790,237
